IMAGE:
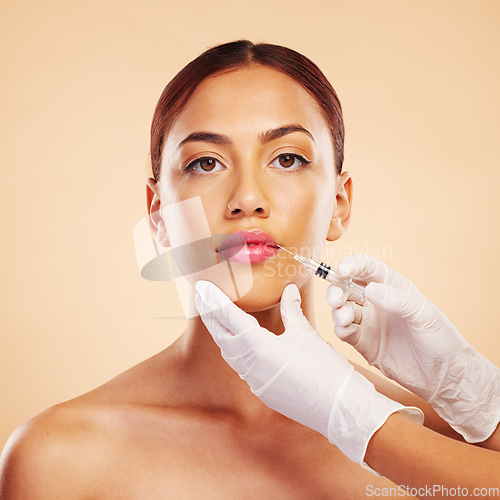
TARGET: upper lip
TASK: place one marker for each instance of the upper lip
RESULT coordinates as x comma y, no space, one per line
247,237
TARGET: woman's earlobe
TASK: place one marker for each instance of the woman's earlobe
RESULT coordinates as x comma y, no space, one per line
155,219
342,211
335,231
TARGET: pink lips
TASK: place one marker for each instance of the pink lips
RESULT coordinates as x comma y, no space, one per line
243,247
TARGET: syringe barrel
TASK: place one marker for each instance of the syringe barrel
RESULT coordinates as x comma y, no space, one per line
344,283
328,273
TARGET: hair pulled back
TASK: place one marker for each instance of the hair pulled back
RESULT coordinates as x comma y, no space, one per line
238,54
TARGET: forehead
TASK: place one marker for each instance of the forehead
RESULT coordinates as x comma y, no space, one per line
254,97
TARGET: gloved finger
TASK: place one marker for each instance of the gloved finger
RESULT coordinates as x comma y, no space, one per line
362,267
230,350
354,296
291,312
342,315
215,301
349,313
235,349
349,334
403,303
358,313
335,296
218,331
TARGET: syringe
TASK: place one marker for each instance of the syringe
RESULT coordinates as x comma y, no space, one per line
326,272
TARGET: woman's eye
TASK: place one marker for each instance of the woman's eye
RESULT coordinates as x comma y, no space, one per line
289,161
206,164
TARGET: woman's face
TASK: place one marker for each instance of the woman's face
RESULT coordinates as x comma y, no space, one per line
253,145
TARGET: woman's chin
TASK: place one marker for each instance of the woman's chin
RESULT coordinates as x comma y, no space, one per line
250,288
256,301
263,296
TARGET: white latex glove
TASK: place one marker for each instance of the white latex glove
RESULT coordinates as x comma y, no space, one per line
297,373
411,341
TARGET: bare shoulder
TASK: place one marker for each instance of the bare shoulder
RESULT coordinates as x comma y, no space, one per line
69,450
42,458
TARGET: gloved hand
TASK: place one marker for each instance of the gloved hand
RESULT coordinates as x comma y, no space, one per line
411,341
297,373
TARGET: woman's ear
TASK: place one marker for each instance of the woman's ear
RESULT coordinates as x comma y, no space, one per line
156,222
342,210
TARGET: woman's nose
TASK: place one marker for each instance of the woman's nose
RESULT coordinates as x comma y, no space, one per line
247,197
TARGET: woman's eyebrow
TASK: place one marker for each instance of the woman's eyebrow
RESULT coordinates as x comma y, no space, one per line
272,135
265,137
206,137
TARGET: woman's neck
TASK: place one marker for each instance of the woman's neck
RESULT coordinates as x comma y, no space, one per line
208,380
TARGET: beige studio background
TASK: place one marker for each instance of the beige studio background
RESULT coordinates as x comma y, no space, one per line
419,84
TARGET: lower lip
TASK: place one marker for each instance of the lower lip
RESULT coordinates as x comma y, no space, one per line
250,254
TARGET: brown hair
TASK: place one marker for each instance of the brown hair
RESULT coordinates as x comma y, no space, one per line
237,54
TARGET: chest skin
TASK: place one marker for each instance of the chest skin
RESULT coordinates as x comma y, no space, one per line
189,453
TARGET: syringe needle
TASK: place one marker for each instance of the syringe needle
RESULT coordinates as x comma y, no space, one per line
283,248
296,256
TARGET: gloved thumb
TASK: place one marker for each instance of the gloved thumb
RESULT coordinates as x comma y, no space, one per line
392,300
216,306
291,312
